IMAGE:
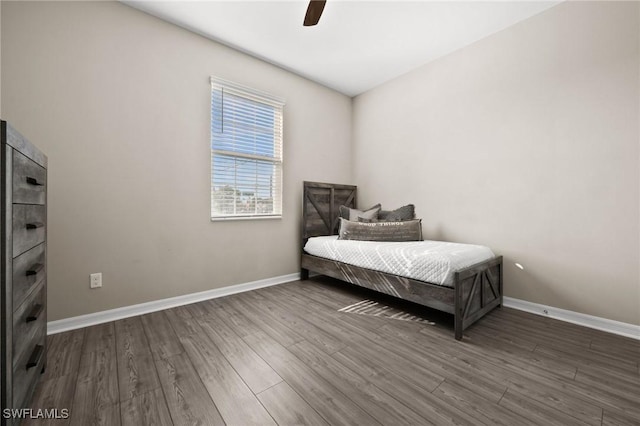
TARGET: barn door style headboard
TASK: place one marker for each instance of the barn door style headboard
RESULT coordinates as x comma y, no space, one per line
321,207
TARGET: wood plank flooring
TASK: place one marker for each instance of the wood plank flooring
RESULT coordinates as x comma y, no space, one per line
285,355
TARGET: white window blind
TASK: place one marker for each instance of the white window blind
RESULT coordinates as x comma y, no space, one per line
246,152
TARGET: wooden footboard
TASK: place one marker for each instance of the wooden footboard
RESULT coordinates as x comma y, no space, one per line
478,289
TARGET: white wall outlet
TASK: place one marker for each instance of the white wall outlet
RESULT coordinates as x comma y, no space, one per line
95,280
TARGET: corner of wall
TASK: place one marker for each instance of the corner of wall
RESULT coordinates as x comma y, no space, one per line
352,140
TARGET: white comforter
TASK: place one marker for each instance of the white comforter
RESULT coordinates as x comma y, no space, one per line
431,261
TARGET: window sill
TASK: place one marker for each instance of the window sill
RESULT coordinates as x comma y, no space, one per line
227,218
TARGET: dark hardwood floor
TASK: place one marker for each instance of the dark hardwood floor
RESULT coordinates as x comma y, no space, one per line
285,355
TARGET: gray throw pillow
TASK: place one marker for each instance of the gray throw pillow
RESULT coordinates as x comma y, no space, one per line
407,212
353,214
408,230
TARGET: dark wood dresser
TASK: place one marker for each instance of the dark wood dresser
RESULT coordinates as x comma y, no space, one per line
23,297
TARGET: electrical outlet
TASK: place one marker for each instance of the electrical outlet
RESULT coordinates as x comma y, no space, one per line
95,280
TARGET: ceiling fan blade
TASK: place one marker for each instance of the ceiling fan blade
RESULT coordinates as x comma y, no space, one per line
314,11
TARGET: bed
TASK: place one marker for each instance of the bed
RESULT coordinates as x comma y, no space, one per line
467,292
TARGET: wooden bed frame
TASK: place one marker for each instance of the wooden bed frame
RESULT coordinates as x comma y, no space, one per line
476,290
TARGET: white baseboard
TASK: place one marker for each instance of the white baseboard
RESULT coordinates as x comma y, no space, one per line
603,324
81,321
53,327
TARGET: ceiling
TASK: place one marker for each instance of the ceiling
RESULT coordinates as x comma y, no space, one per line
357,45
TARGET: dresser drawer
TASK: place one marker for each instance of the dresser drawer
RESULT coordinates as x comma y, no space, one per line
28,270
28,323
27,371
28,227
29,180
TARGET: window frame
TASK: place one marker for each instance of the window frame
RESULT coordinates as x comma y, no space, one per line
253,96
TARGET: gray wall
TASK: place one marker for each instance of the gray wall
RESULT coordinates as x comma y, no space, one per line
526,141
119,101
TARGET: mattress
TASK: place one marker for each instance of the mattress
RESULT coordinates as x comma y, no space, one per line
431,261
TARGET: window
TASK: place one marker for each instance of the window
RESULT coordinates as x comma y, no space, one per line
246,152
